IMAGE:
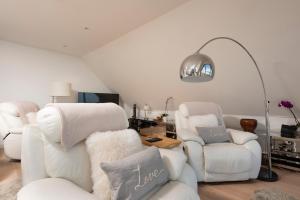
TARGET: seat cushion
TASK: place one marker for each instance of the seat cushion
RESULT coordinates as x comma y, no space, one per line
53,188
226,158
60,189
176,191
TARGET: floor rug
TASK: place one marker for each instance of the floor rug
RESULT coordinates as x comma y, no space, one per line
271,194
9,189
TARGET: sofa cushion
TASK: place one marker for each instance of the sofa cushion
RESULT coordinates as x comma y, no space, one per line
12,146
209,120
71,123
9,108
136,175
176,191
188,177
60,189
73,165
53,188
120,144
227,158
241,137
49,121
174,160
216,134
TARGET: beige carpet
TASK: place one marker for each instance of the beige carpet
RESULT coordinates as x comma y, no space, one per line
271,194
9,189
10,177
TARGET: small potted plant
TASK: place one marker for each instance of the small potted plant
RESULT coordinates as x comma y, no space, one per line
289,130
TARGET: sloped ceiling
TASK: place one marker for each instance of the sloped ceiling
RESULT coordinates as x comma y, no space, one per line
143,65
75,26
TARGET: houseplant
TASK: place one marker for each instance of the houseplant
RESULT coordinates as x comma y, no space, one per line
289,130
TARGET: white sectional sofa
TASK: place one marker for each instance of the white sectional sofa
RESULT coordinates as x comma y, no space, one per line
70,182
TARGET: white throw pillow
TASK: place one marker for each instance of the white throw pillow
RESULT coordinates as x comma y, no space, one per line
209,120
109,146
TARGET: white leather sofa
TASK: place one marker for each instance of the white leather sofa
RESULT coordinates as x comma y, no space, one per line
237,160
38,184
12,122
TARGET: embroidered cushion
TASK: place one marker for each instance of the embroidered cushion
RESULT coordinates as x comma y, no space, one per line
134,176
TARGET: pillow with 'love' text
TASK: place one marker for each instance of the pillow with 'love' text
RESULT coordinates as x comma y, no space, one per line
136,175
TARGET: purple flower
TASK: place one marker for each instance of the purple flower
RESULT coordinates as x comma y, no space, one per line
289,105
286,104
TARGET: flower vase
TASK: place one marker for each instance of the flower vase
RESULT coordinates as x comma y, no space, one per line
288,131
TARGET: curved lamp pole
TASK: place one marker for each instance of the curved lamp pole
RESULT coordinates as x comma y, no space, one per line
200,68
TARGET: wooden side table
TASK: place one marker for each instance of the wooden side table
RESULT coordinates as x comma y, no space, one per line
166,142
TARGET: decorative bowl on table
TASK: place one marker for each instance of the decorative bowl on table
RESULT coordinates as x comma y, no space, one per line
249,125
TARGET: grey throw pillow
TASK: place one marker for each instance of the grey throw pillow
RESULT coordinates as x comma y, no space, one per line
216,134
133,177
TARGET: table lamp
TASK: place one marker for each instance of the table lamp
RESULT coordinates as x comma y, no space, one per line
146,109
60,89
200,68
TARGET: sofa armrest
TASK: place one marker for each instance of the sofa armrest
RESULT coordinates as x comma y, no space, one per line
187,135
241,137
188,177
195,154
15,131
174,160
32,155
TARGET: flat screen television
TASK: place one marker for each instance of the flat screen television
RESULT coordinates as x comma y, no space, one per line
88,97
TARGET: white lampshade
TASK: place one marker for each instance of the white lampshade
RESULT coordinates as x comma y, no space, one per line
60,89
146,107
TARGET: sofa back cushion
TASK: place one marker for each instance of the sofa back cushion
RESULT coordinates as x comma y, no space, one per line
217,134
9,122
189,109
73,165
209,120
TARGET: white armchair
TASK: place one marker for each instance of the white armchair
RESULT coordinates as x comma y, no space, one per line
237,160
13,117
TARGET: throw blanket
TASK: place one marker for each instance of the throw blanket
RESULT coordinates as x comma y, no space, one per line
79,120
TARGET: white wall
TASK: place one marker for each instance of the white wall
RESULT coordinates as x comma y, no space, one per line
26,73
143,66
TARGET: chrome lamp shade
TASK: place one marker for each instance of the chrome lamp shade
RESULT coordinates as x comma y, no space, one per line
197,68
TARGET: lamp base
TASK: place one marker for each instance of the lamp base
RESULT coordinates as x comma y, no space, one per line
264,175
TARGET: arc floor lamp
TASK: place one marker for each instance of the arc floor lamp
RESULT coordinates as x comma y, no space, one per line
200,68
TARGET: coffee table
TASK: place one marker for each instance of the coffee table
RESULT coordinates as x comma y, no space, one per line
166,143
